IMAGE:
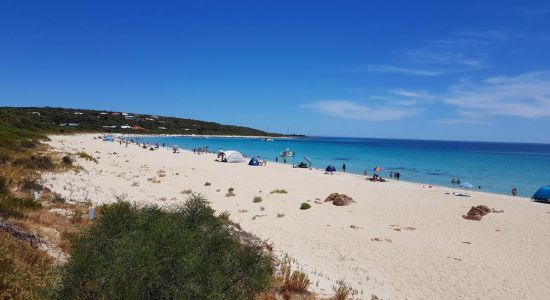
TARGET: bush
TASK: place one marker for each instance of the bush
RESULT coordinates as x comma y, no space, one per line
278,191
257,199
35,162
3,186
25,272
86,156
5,156
184,254
67,160
30,185
305,206
342,291
11,207
293,282
29,143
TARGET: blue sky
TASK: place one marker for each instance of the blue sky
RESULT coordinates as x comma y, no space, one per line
460,70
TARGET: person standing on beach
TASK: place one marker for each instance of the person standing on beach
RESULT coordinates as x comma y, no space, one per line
344,167
515,191
276,159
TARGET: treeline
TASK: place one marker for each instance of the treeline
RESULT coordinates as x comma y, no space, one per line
54,120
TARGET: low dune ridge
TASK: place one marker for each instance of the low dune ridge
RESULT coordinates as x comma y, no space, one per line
396,240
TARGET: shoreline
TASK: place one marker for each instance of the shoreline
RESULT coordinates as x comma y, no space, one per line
398,240
197,135
339,172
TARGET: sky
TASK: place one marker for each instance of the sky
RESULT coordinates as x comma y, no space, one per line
445,70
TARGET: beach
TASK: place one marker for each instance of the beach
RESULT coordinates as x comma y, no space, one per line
399,240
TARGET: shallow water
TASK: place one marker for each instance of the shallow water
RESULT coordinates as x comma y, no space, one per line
495,167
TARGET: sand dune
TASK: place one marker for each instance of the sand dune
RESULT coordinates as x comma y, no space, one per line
399,240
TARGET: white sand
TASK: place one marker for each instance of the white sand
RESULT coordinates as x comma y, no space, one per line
503,256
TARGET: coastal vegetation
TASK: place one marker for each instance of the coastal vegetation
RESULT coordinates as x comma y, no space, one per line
63,120
185,253
305,206
279,191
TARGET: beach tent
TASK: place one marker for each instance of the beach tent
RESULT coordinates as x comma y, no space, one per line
467,185
330,168
378,169
232,156
254,162
543,194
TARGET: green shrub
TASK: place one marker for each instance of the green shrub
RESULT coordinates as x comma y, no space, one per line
7,210
11,207
305,206
143,253
257,199
277,191
35,162
29,143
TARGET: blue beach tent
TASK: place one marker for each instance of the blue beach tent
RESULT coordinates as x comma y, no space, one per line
330,168
543,194
254,162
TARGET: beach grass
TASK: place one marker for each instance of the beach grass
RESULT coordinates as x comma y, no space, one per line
278,191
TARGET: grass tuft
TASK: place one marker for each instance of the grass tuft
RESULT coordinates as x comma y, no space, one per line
86,156
279,191
305,206
342,291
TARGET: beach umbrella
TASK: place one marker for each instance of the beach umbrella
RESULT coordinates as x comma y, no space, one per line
378,169
467,185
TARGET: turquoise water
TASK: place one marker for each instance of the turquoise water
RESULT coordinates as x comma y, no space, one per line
496,167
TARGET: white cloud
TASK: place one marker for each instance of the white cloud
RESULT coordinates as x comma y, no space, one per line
404,70
413,94
357,111
462,52
526,96
459,121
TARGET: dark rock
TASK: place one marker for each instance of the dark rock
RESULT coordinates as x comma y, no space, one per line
477,212
339,199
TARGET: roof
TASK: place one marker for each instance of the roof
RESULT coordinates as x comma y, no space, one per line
543,193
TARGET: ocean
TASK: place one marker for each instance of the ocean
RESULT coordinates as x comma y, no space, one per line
490,167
